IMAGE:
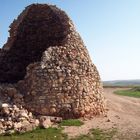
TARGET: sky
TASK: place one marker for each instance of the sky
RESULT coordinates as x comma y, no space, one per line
109,28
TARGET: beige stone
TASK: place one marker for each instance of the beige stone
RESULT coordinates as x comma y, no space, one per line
52,110
45,122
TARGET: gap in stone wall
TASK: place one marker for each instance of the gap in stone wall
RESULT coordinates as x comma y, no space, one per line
39,29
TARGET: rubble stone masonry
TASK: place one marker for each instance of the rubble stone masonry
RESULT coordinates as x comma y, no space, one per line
48,62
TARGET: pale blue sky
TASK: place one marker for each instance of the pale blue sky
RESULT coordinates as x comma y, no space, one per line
109,28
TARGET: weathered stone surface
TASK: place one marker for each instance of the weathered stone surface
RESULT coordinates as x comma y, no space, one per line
48,62
10,94
45,121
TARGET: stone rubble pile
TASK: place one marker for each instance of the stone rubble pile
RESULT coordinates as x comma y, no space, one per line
16,119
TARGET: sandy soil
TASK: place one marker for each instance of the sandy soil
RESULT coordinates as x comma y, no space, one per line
123,114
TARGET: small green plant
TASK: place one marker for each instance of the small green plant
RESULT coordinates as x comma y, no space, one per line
71,122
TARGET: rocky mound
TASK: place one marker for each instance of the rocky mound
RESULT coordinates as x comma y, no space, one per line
50,66
14,119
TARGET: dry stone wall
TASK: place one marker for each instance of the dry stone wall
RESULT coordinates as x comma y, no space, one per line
48,62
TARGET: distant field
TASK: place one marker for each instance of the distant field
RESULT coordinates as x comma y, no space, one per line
134,92
121,83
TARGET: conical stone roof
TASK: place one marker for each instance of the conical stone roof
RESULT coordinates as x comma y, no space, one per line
48,60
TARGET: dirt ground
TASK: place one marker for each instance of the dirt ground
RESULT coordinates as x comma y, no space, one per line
123,114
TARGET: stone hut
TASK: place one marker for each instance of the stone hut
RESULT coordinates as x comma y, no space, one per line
48,62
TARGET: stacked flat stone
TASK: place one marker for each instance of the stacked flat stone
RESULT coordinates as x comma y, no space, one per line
47,60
